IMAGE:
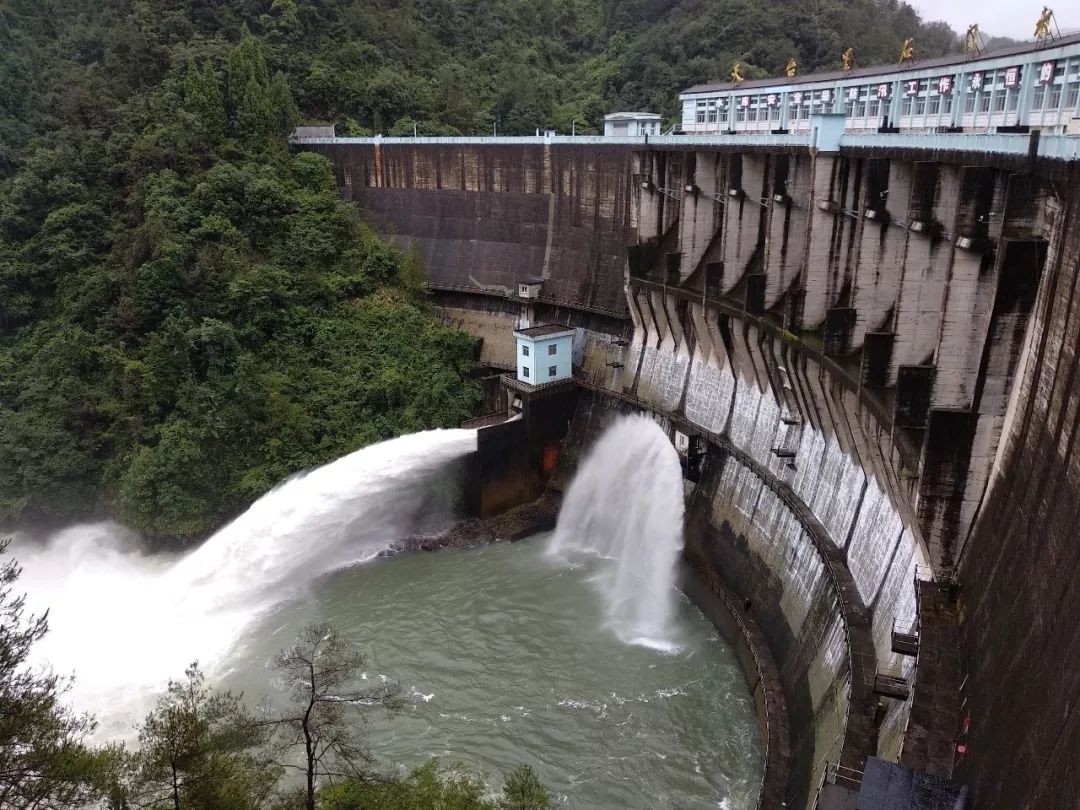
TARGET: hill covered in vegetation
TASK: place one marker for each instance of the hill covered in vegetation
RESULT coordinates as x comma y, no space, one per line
450,65
187,311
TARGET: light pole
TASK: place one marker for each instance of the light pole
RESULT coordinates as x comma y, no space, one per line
573,128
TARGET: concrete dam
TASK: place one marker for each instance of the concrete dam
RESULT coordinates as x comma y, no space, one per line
867,348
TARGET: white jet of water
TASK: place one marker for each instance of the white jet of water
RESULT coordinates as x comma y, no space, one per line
124,622
625,506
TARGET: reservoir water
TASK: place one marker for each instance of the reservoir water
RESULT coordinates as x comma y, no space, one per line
573,653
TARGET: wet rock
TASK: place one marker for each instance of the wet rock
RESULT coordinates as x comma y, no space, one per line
527,519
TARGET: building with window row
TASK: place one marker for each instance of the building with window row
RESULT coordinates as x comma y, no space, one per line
1033,86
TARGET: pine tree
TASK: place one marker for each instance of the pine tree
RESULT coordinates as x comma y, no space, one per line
286,113
214,112
201,749
523,790
193,100
255,116
247,66
413,273
203,99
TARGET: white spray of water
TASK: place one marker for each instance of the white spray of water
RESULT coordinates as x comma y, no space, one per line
625,506
124,622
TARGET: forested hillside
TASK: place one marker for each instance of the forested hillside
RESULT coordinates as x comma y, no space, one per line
187,311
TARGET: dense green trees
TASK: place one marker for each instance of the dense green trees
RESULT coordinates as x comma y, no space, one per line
188,313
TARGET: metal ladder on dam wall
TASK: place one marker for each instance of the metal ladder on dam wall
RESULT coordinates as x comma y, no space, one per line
838,788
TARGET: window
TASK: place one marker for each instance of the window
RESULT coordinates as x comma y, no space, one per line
701,112
525,371
553,370
799,105
922,90
1072,95
984,102
712,110
1054,100
999,100
946,104
553,348
969,102
524,350
1037,99
935,105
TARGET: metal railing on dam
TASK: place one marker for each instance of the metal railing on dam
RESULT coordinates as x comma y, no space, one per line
1050,147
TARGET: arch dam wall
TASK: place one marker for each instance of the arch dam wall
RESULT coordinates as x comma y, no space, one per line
879,345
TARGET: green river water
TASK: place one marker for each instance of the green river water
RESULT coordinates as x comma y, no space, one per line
503,657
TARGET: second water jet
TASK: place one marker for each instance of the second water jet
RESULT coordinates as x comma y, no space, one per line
625,506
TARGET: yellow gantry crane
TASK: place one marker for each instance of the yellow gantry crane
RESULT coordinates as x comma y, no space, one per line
973,40
907,53
1042,25
847,59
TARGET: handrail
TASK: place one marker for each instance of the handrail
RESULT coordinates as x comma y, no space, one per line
834,773
542,298
733,139
485,420
1052,147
